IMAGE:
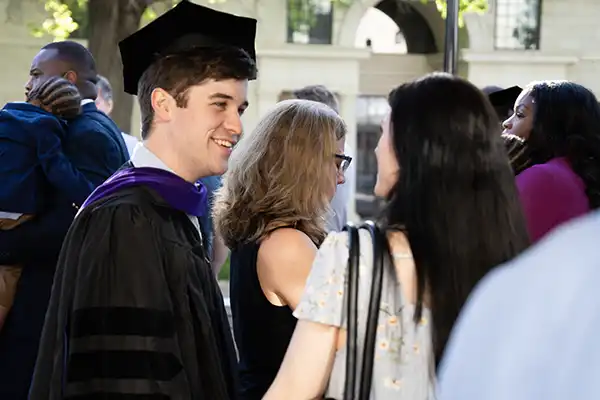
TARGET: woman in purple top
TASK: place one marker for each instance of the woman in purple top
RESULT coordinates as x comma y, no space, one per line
560,123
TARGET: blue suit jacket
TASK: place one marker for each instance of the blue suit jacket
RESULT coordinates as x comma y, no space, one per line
32,156
95,147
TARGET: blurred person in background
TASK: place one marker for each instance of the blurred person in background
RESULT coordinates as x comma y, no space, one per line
215,246
338,217
530,329
503,100
105,103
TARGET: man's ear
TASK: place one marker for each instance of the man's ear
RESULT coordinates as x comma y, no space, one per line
163,105
110,104
71,76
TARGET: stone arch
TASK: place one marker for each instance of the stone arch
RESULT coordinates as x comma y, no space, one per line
415,28
421,23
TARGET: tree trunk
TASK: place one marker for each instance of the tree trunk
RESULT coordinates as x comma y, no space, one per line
110,22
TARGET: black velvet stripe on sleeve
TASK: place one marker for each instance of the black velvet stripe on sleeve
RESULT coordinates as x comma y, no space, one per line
122,353
103,364
122,321
118,396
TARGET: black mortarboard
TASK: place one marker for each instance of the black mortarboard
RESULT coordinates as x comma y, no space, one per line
185,26
505,97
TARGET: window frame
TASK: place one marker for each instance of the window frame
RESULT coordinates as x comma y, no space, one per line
290,31
538,28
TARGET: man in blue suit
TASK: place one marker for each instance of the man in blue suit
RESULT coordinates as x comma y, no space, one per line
96,148
95,144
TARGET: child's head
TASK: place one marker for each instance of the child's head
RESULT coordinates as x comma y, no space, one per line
57,96
518,153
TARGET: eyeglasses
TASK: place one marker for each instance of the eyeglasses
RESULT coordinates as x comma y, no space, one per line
345,162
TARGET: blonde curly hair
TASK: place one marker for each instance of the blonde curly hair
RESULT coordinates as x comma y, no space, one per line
277,175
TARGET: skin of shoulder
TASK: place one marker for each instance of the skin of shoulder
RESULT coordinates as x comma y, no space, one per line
284,261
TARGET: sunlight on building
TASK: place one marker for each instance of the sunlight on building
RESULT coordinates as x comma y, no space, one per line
380,32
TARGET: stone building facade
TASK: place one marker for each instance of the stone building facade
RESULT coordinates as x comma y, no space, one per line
514,42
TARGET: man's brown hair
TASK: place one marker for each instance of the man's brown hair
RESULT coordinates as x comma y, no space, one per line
178,72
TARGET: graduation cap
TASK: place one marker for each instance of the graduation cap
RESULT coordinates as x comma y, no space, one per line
505,97
184,27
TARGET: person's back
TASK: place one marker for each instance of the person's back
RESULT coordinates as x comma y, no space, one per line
105,149
262,329
530,329
105,103
403,365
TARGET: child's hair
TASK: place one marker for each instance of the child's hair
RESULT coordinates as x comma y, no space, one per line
58,96
518,153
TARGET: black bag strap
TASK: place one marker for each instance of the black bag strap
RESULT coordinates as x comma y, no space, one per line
352,312
379,241
380,250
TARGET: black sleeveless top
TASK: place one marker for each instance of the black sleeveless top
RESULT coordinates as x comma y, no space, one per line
262,330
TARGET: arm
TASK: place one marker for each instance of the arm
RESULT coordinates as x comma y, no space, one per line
284,261
123,328
58,169
308,362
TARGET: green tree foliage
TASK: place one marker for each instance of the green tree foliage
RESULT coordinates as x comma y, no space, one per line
105,22
69,17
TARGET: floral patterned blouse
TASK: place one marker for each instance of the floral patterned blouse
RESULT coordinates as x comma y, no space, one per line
403,367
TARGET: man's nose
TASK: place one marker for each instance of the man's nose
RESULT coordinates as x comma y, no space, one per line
507,124
233,124
341,178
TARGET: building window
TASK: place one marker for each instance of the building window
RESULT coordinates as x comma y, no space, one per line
370,111
309,21
517,25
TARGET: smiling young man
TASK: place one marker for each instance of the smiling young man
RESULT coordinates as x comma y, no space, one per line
136,311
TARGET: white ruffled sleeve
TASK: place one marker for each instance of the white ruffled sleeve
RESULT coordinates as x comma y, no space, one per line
323,298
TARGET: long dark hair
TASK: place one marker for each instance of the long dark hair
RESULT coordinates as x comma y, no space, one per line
455,197
566,123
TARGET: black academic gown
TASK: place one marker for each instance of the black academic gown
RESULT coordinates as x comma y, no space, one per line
135,309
